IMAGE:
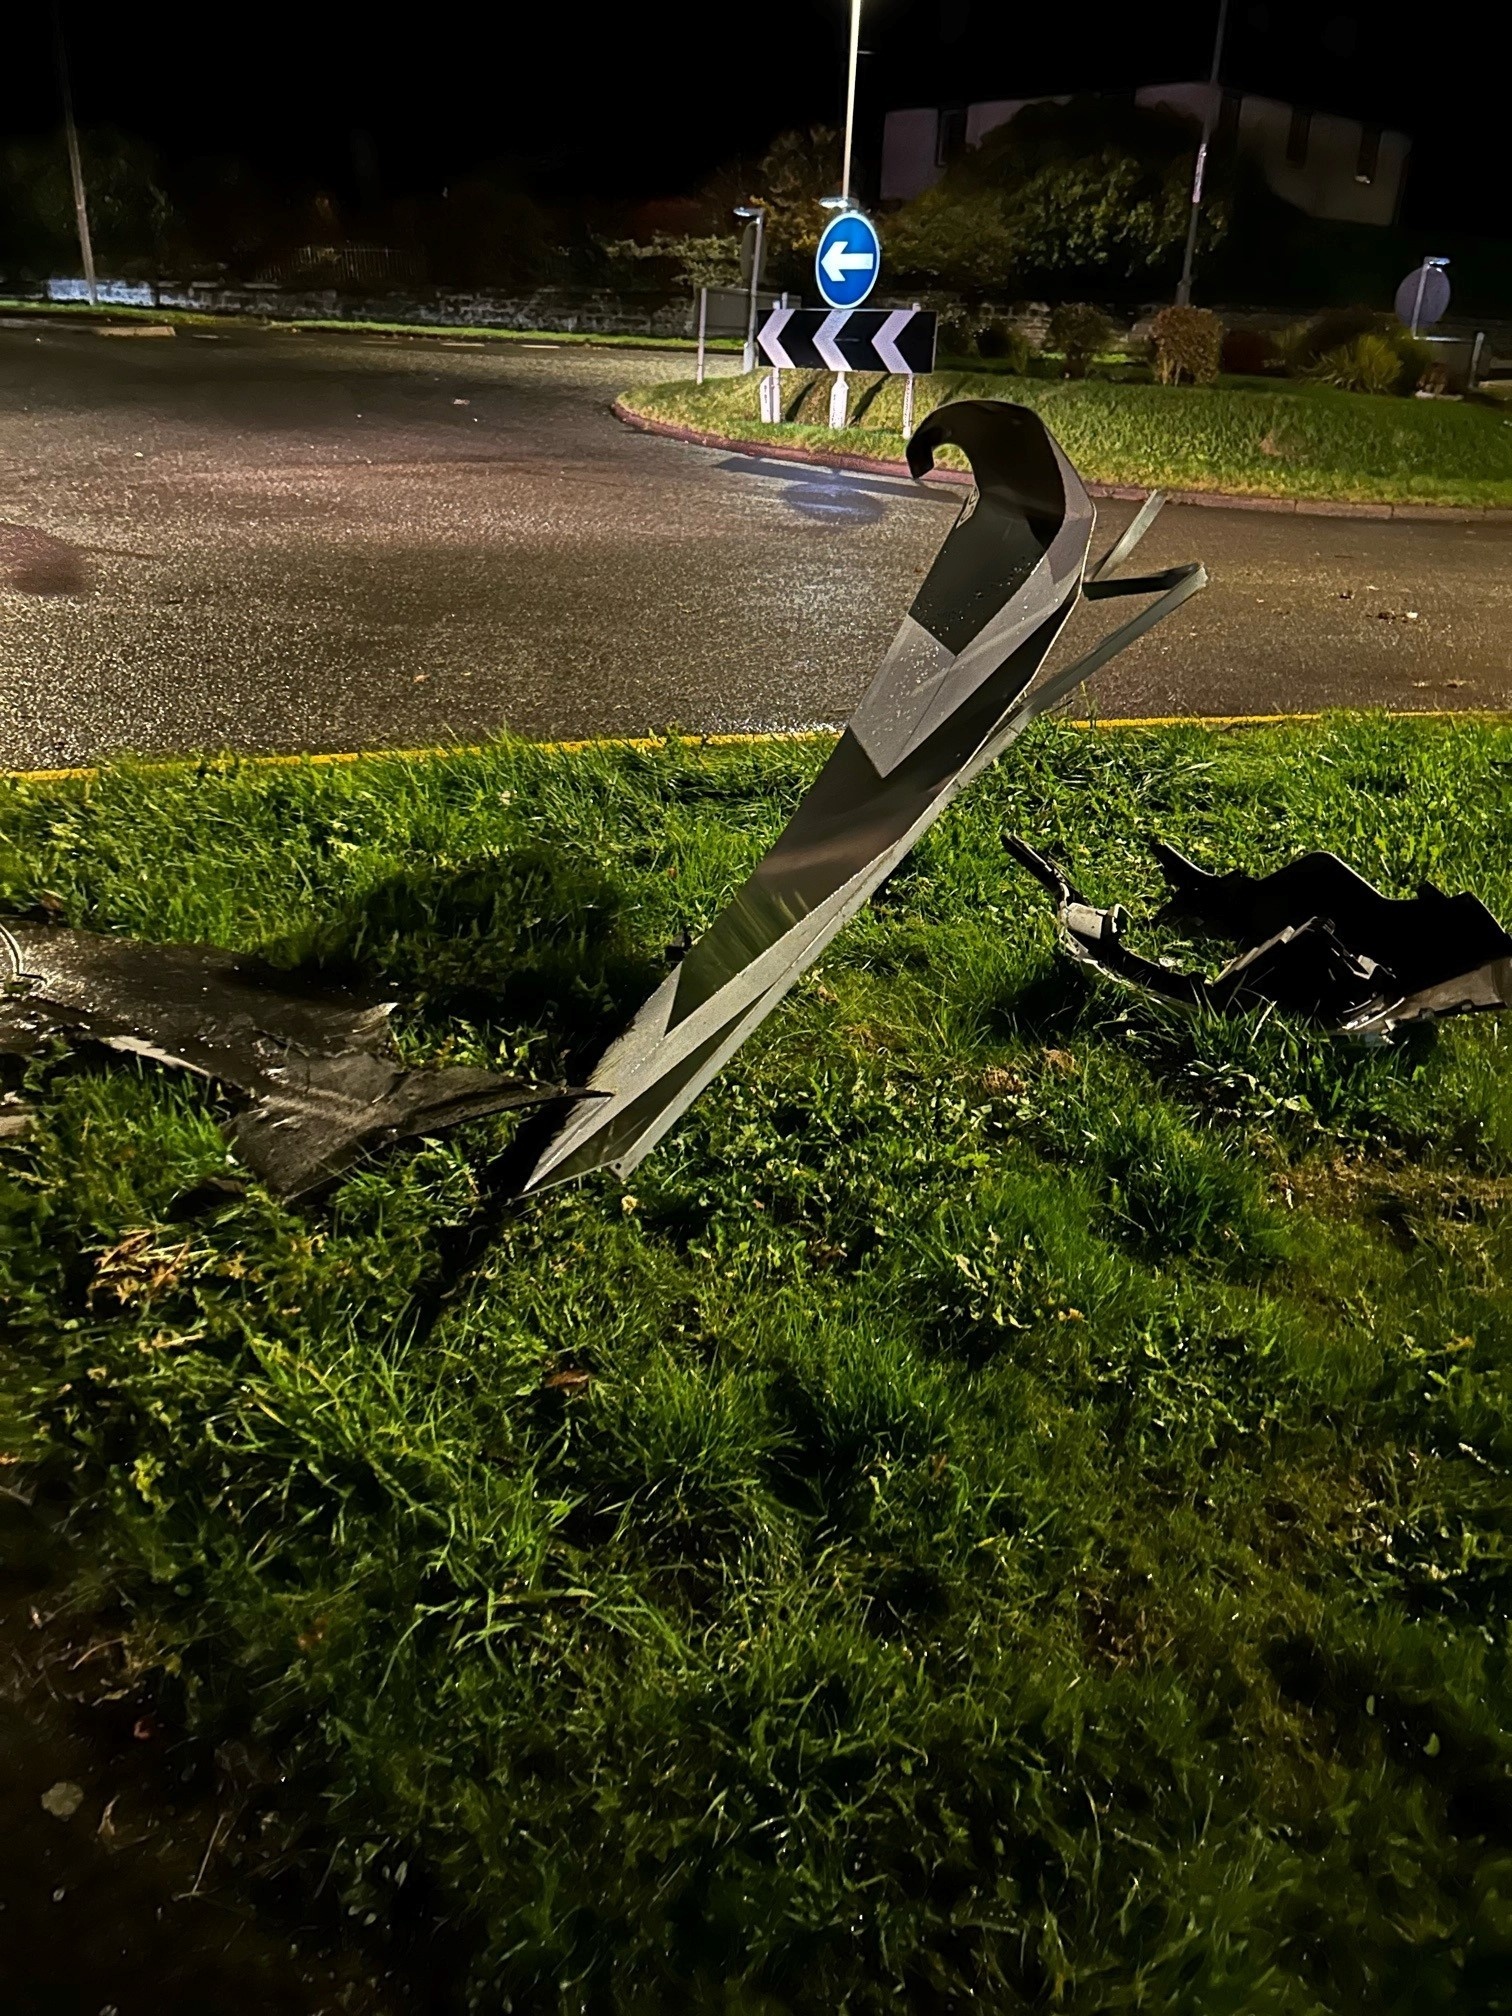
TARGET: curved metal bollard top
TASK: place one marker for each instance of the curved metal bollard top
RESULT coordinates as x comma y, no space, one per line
947,698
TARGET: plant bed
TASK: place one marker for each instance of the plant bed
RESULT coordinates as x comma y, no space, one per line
1242,437
1005,1508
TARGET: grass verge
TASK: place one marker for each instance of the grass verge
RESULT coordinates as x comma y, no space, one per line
1247,438
192,318
1008,1509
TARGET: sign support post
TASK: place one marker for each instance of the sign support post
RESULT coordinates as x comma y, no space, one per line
703,323
1426,289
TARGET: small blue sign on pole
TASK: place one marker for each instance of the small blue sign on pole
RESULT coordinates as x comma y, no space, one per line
848,262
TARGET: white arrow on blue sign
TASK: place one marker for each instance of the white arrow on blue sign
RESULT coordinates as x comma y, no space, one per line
848,262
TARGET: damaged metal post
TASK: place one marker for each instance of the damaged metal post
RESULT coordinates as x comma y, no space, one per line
947,700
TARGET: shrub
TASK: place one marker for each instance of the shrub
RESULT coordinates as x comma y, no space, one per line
1369,364
1000,339
1187,343
1248,352
1305,344
1078,331
1329,347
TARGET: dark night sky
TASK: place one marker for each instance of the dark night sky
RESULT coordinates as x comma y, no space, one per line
647,101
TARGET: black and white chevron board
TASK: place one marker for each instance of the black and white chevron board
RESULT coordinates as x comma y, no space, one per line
899,340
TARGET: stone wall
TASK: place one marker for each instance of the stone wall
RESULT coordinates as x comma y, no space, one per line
548,308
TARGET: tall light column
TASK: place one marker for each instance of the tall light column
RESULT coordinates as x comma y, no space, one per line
75,166
850,95
1184,285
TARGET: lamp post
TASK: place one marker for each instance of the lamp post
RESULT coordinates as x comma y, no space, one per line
850,96
1184,284
752,211
75,165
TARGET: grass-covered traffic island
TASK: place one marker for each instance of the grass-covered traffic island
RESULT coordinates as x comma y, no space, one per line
1007,1510
1244,436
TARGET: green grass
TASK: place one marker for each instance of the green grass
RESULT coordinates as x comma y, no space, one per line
1026,1524
193,318
1245,436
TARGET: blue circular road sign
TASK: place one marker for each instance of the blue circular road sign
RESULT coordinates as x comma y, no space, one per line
1423,296
849,260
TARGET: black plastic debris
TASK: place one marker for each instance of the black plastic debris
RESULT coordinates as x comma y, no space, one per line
319,1070
1315,939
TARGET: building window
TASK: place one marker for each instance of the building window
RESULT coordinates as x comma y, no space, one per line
1296,138
950,134
1369,157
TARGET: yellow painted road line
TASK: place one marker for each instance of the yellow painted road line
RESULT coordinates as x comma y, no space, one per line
326,756
317,758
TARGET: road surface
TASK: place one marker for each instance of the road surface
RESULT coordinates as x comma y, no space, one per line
269,542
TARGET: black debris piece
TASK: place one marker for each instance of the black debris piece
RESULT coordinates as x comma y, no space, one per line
319,1071
1315,939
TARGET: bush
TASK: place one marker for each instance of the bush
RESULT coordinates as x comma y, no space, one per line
1348,347
1249,352
1000,339
1369,364
1187,343
1078,331
1305,344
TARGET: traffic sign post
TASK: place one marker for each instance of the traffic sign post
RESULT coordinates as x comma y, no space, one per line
900,341
1423,296
848,263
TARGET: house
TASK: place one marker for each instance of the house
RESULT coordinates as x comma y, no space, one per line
1325,164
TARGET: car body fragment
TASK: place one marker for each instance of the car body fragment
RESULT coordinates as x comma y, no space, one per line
318,1070
1315,940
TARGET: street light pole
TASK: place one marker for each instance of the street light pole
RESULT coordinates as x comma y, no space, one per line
1184,285
756,214
850,95
75,166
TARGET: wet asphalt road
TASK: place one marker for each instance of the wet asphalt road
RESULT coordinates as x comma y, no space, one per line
278,542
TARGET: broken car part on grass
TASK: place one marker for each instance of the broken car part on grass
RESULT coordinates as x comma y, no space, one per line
948,698
1315,940
318,1070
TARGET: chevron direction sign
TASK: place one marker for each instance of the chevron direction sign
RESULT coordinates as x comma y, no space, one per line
899,340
